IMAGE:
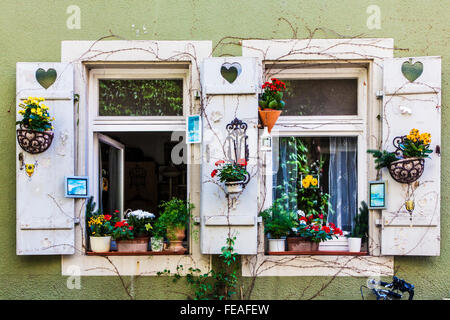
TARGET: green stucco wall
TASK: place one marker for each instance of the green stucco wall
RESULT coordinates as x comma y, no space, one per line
32,30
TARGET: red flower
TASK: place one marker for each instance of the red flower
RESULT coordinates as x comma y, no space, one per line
321,216
107,217
219,162
303,219
326,229
130,228
242,162
332,225
213,173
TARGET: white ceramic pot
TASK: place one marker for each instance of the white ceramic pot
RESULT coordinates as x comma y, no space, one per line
157,244
234,187
100,244
354,244
277,245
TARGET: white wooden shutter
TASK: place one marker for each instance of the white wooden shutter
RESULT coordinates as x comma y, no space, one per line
45,218
223,102
406,105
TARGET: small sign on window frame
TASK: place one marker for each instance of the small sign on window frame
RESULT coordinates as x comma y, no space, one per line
377,194
194,129
76,187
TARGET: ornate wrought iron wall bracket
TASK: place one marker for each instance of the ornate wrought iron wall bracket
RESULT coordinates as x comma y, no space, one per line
236,146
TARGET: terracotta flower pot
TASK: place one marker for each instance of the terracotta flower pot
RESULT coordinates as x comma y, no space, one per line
301,244
269,117
175,236
135,245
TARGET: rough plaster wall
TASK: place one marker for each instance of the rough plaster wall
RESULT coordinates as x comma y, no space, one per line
33,32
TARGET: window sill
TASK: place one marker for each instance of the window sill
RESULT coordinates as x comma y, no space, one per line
317,253
146,253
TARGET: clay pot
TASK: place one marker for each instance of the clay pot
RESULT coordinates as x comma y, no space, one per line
175,236
269,117
136,245
301,244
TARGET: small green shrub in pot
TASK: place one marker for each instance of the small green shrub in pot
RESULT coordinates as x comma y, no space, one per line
360,229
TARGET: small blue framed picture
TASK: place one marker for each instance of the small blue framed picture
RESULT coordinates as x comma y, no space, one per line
76,187
194,129
377,194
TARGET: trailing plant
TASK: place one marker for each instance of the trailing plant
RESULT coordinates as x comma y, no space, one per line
35,115
230,172
278,222
215,284
361,226
272,95
383,158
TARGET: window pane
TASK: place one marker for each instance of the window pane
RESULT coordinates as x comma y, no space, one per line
320,97
155,97
331,190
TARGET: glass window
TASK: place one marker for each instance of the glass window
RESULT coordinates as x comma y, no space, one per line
317,175
149,97
324,97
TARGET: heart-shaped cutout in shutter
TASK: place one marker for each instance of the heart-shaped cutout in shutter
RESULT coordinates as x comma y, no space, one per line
46,78
412,71
230,71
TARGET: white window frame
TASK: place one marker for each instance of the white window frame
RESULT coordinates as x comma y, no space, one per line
336,53
327,126
91,58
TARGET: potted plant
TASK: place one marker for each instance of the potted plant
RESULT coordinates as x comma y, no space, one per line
232,174
173,219
35,129
141,222
100,229
406,164
360,229
124,236
271,102
308,236
277,225
157,237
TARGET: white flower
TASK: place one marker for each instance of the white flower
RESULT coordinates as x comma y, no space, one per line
140,214
300,213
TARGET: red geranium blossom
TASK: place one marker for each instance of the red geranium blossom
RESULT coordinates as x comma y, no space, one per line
213,173
242,162
107,217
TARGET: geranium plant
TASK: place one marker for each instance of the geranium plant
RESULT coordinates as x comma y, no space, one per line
35,115
122,231
317,233
272,97
231,171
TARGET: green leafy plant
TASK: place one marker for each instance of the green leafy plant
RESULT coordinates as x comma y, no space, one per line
217,284
176,214
278,222
272,95
35,115
230,172
383,158
361,227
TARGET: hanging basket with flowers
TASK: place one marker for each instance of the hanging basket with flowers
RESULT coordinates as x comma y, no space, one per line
35,129
271,102
234,175
406,164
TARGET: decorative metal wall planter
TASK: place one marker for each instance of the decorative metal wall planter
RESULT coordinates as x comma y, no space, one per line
234,187
34,141
405,170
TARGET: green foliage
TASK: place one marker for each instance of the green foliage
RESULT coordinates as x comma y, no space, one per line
361,227
215,284
418,148
383,158
278,222
155,97
176,213
35,115
232,172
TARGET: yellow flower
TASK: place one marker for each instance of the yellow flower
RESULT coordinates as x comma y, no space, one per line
305,183
314,182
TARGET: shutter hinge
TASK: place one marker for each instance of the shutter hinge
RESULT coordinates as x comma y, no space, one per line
196,220
379,94
76,220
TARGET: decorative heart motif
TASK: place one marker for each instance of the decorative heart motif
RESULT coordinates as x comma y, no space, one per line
46,78
230,71
412,71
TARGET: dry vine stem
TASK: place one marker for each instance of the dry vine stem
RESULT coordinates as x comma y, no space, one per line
259,263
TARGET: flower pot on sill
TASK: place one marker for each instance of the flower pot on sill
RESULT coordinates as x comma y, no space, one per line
134,245
34,141
301,244
407,170
354,244
234,186
100,244
157,244
175,237
269,117
277,245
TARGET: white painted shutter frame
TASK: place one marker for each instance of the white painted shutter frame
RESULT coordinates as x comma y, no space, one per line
407,105
44,217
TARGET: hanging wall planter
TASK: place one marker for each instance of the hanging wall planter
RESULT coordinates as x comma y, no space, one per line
269,117
35,129
407,170
234,186
271,103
